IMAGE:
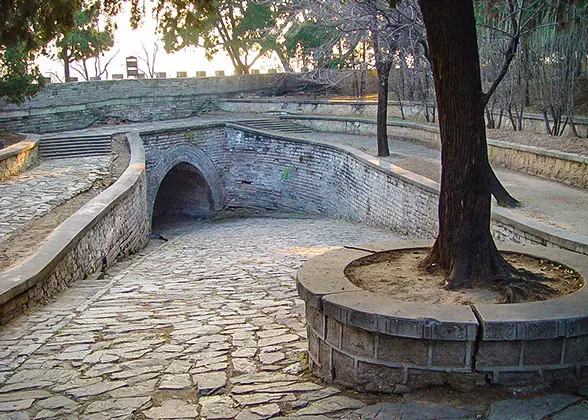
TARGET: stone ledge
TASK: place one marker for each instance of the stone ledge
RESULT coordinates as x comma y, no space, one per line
19,156
28,143
35,269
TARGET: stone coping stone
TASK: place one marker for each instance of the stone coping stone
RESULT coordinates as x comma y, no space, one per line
30,142
18,279
322,284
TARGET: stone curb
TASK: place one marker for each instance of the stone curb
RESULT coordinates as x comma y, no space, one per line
19,279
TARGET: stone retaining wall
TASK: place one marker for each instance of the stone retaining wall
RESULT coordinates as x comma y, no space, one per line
111,225
568,168
361,108
262,171
18,157
372,342
72,106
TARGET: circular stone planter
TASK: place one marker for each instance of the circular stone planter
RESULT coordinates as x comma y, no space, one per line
371,342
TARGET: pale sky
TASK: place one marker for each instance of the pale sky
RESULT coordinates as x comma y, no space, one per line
128,42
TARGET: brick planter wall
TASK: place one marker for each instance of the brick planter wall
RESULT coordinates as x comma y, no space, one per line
373,343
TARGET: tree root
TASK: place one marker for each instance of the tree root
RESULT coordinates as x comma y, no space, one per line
515,285
520,285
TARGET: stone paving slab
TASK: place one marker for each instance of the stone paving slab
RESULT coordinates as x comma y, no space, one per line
33,193
163,336
207,325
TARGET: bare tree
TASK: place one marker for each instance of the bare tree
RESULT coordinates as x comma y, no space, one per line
149,58
99,64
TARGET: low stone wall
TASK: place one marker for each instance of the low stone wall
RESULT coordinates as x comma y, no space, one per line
567,168
361,108
18,157
111,225
374,343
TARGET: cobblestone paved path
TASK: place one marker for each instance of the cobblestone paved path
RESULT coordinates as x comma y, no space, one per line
209,324
35,192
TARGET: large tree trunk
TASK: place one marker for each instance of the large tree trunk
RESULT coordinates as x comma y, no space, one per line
464,245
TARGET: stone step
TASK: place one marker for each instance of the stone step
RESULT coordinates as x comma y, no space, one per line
48,146
70,154
74,146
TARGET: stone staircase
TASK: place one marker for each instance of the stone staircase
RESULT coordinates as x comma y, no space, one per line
275,124
74,146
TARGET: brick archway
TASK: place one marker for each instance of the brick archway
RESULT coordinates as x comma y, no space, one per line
190,167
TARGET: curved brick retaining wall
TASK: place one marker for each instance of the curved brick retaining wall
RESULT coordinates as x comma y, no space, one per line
266,171
370,342
18,157
111,225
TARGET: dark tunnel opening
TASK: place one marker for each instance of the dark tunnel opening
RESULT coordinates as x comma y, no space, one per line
183,195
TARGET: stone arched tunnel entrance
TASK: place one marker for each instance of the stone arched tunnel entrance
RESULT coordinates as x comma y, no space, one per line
183,194
183,184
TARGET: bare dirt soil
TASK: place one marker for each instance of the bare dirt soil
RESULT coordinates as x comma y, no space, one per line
8,139
24,242
397,274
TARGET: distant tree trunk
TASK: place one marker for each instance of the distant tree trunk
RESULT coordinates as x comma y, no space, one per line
464,247
66,70
383,66
382,117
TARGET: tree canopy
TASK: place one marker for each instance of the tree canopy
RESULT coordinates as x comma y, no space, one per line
87,39
244,29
